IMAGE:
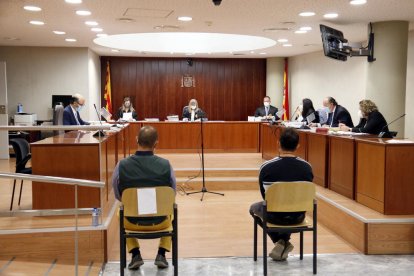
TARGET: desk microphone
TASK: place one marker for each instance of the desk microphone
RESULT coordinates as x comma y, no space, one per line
294,112
389,134
100,133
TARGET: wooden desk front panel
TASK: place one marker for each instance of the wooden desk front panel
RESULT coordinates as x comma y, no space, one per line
269,137
133,129
302,148
370,172
73,161
218,136
341,165
317,152
399,180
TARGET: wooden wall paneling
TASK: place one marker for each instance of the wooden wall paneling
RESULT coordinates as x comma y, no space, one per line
399,177
390,238
370,175
301,150
227,89
317,147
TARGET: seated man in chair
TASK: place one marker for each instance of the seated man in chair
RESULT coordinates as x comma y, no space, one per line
144,169
286,167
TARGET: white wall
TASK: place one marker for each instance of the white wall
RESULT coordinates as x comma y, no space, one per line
315,76
94,72
409,100
36,73
275,68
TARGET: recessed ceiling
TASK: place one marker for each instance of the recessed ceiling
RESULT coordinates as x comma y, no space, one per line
263,18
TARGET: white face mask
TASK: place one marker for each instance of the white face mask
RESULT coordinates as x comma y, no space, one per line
79,108
326,109
266,104
193,107
300,107
360,114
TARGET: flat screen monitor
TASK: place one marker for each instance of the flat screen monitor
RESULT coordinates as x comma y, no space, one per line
64,99
331,41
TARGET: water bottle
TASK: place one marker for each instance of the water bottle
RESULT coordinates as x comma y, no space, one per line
19,108
95,217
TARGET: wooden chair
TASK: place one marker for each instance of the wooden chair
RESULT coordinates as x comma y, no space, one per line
288,197
166,206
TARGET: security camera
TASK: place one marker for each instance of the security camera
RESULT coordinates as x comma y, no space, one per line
217,2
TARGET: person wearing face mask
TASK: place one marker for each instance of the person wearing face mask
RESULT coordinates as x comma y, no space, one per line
337,113
71,112
192,112
309,115
267,110
371,120
126,111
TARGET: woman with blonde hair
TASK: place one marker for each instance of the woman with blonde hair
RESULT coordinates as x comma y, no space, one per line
126,111
371,120
192,111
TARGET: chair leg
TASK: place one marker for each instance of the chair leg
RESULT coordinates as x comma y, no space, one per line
12,199
255,240
314,251
301,245
264,250
21,188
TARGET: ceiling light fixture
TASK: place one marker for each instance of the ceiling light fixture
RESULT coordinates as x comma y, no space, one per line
282,40
185,42
32,8
330,15
287,45
358,2
96,30
91,23
300,32
36,22
70,40
262,53
306,14
59,32
101,35
184,18
306,28
115,50
73,1
83,13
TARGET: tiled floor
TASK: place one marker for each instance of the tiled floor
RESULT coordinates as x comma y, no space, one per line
328,264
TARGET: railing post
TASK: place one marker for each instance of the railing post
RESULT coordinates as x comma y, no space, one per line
76,230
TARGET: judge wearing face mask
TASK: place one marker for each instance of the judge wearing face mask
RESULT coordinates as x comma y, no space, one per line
192,112
267,110
336,113
371,120
71,112
127,112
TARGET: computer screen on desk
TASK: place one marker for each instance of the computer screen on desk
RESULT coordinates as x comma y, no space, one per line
64,99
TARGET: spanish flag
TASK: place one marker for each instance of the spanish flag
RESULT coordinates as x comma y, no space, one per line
286,92
107,95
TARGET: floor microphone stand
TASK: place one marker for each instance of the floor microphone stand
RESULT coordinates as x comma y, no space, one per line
203,189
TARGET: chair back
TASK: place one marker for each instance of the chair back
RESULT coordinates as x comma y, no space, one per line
165,199
58,118
21,149
290,196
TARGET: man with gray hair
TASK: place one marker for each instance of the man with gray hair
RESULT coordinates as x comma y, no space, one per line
71,115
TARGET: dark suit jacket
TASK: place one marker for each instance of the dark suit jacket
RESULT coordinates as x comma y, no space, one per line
69,117
374,124
198,114
121,113
262,112
340,115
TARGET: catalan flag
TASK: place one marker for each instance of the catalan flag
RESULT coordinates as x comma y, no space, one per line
286,92
108,94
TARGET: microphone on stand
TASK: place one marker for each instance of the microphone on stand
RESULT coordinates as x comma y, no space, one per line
294,112
99,133
387,133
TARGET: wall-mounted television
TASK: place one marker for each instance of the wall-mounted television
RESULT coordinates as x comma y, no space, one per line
332,41
64,99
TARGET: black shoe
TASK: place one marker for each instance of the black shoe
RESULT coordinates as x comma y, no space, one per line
161,261
136,262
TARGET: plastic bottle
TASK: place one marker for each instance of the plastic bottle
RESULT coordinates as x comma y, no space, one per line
19,108
95,217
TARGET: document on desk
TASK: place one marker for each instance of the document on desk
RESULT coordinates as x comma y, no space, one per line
147,201
396,141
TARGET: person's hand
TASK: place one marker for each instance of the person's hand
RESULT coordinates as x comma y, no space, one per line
343,127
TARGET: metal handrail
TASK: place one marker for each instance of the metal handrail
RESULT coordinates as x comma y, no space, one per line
54,179
57,127
46,212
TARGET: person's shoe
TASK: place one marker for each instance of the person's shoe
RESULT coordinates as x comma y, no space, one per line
161,261
288,248
277,251
136,262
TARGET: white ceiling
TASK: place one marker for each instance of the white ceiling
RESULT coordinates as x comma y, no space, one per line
249,17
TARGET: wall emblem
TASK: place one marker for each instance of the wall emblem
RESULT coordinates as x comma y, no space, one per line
187,81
